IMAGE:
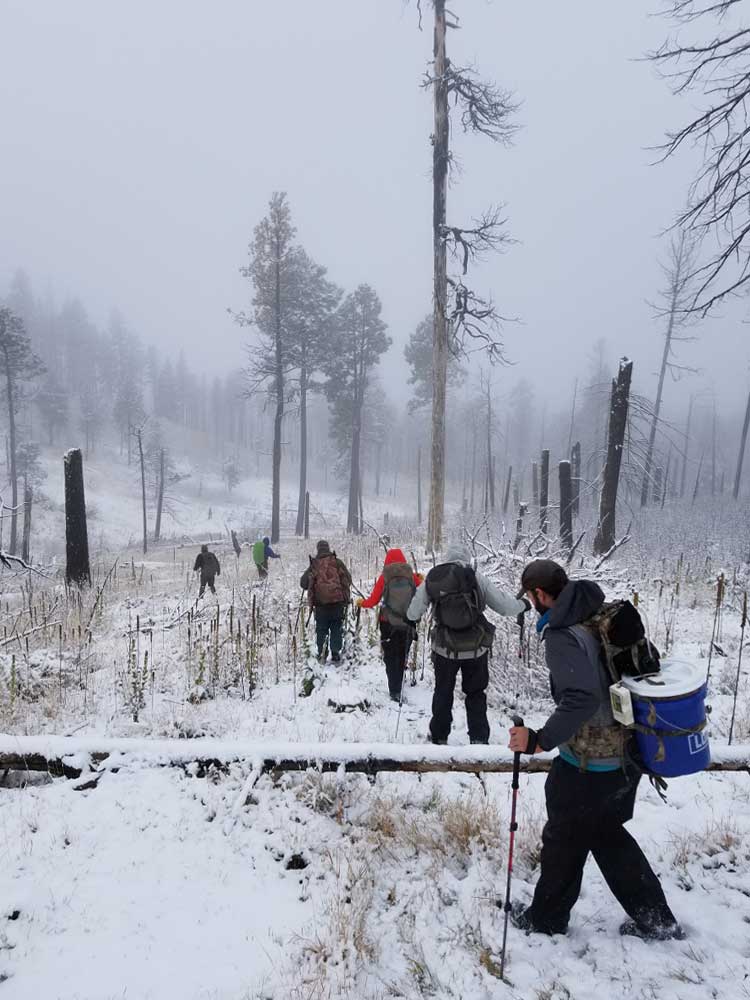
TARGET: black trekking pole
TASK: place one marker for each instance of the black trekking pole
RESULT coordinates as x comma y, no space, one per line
517,721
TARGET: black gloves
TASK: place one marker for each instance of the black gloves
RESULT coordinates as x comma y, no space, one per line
532,743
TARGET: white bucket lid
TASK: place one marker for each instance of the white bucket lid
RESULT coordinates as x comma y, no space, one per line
677,677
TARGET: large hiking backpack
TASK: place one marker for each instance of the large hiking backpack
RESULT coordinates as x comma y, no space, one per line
398,591
326,584
459,620
626,651
259,553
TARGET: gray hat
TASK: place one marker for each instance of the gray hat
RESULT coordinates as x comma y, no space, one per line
324,549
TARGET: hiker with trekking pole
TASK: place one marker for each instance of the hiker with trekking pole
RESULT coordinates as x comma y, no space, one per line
461,638
393,591
591,787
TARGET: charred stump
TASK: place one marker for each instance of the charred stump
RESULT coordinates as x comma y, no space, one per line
77,568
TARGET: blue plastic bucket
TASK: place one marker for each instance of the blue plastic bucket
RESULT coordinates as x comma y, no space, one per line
670,709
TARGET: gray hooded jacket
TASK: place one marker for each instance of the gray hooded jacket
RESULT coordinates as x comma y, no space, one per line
578,679
498,600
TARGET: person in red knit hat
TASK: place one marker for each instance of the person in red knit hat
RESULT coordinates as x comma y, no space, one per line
393,591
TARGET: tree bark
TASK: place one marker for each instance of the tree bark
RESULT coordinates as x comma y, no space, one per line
307,516
535,484
419,484
741,456
279,415
618,418
544,492
440,153
159,497
506,496
687,446
490,459
566,506
300,527
28,499
139,437
575,462
77,569
10,392
473,463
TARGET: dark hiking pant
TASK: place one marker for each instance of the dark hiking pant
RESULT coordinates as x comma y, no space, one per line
395,644
206,581
474,680
262,569
329,624
586,811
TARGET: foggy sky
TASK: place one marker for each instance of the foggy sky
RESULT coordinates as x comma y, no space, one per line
143,140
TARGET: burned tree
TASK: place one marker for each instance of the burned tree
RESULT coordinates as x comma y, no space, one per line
544,491
566,506
743,446
139,438
675,310
458,313
77,568
618,418
715,72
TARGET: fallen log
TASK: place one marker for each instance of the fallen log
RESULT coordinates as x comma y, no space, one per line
72,756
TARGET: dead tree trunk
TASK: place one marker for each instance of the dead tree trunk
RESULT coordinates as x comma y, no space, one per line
10,394
573,415
278,419
419,484
698,478
473,463
139,438
658,485
506,495
159,497
440,156
575,473
307,515
77,568
741,456
490,459
544,492
535,484
686,448
618,418
566,506
679,273
28,499
300,526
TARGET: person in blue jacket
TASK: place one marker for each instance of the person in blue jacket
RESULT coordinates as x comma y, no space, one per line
262,552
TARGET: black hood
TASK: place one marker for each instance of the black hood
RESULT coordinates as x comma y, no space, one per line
578,601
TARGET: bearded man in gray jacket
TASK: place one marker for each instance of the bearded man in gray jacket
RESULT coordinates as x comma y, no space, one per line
461,638
591,787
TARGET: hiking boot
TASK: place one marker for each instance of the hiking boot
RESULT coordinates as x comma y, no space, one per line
520,917
483,743
656,932
437,743
336,657
398,698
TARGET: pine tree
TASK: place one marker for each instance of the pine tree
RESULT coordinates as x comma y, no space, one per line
310,343
360,341
273,272
18,364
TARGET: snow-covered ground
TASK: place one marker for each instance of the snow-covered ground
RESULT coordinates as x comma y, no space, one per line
157,883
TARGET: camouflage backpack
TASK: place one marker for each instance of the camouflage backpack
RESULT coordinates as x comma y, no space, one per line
626,650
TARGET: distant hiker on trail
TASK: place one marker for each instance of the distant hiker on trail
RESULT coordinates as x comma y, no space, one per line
262,552
394,590
209,568
328,584
461,638
592,784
